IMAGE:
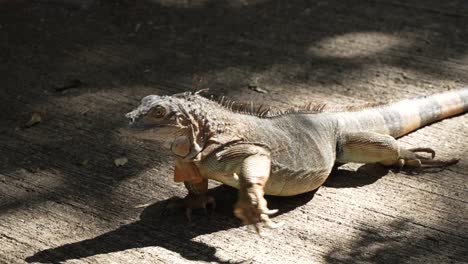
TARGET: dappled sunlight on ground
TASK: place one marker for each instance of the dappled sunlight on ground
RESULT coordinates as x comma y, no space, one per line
62,196
356,45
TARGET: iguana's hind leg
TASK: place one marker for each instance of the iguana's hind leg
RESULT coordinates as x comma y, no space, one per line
368,147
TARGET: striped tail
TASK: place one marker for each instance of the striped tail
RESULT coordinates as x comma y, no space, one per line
400,118
406,116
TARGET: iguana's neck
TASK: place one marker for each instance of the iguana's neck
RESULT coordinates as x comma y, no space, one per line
211,124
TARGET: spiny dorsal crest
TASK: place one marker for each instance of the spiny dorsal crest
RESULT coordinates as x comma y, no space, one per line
243,108
265,111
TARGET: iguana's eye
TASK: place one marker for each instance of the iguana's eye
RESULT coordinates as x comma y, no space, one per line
158,112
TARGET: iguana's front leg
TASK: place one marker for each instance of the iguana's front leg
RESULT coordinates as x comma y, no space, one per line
251,206
196,185
195,199
367,147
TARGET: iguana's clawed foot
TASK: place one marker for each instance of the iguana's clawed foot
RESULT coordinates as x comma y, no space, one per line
251,208
191,202
419,160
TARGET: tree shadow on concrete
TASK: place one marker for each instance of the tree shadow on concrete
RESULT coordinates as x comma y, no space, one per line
365,175
161,227
400,241
369,173
126,49
169,229
75,154
119,44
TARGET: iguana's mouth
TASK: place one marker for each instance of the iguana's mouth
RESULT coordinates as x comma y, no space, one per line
142,126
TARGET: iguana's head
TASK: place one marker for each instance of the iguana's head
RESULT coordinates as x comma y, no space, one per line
179,121
156,118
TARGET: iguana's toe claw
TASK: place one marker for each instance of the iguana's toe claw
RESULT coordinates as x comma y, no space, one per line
269,223
188,213
270,211
251,215
439,163
425,150
413,159
210,201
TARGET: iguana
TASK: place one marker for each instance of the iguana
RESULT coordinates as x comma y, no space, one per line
260,151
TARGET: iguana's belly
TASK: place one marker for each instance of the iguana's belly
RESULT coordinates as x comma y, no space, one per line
286,183
281,182
303,175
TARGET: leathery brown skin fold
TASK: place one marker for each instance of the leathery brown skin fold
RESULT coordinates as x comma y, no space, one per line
260,151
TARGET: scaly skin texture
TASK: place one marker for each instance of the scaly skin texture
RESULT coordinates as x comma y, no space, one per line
283,153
